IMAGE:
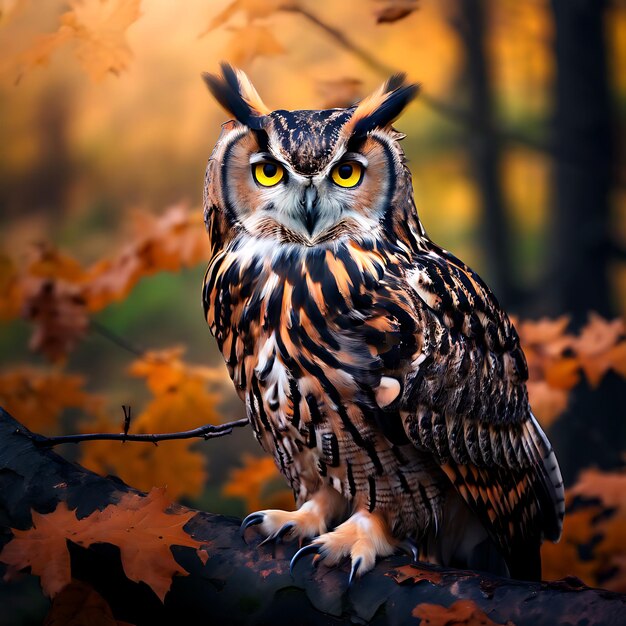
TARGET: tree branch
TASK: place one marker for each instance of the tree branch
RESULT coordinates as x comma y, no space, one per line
208,431
245,583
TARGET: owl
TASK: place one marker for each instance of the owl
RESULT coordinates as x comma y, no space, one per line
376,367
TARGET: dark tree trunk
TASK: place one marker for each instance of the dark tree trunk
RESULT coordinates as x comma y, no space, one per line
250,584
592,431
580,243
485,151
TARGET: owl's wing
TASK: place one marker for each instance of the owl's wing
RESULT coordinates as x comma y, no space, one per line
464,400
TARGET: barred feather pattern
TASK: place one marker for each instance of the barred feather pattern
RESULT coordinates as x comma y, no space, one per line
307,335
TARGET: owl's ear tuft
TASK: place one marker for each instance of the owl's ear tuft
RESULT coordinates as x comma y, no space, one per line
382,107
234,91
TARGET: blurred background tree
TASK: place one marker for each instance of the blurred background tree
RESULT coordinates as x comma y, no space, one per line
516,146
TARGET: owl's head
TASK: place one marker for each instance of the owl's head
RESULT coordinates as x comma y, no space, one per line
308,177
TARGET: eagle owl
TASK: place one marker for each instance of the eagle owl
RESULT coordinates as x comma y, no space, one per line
377,368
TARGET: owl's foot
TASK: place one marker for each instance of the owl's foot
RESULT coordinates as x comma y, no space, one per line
310,520
363,537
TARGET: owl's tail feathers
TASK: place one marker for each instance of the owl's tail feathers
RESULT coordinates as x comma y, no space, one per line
552,482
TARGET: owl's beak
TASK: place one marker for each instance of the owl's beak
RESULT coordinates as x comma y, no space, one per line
309,202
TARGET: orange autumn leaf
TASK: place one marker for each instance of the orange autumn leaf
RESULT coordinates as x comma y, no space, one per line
96,32
55,294
547,402
169,242
601,346
143,528
407,574
43,549
39,397
593,545
251,481
10,289
181,402
460,613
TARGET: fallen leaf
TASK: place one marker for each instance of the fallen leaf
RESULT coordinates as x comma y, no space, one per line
143,528
413,574
461,612
43,548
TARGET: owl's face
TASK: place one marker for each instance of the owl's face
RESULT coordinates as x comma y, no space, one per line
304,177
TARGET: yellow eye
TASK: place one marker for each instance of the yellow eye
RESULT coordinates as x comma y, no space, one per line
347,174
267,173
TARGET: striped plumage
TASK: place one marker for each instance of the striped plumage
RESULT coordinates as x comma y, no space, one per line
376,368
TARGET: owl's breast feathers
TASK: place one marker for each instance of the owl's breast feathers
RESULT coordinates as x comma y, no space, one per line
392,365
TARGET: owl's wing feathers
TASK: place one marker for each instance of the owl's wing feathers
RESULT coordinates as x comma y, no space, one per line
465,401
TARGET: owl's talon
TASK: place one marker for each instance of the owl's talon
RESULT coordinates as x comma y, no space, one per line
251,520
312,548
409,547
279,535
354,570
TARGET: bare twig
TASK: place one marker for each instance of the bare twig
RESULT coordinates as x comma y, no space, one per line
451,112
118,340
208,431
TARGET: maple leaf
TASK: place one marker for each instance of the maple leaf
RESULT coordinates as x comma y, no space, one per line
461,612
181,401
143,528
601,347
43,548
393,10
593,545
169,242
39,397
97,31
251,482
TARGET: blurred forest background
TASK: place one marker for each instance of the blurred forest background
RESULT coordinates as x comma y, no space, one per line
517,151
